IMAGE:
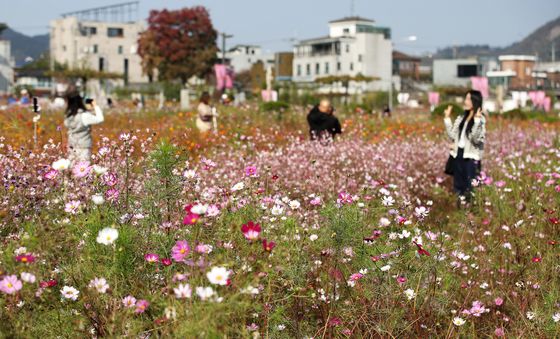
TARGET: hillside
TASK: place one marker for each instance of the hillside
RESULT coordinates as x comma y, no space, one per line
24,46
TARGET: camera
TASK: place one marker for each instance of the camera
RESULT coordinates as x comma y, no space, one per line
89,101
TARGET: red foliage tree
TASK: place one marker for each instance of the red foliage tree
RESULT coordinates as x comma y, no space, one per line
179,44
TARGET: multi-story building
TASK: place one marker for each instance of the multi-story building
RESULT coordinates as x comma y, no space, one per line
354,46
80,40
522,66
7,64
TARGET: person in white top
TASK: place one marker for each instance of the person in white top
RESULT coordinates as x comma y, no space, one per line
206,118
468,134
80,117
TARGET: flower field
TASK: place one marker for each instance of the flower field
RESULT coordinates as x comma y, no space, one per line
257,232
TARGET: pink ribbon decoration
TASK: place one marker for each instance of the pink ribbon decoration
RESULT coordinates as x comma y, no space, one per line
547,102
221,74
433,98
480,84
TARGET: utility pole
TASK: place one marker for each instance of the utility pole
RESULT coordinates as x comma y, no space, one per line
553,52
352,3
224,37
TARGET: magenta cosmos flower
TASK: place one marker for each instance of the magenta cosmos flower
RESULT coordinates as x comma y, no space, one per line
180,250
10,284
250,171
251,231
141,306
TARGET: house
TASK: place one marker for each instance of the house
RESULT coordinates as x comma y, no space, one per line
242,57
406,66
355,46
38,79
455,72
522,66
7,64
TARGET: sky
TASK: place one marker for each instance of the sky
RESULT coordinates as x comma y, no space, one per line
274,24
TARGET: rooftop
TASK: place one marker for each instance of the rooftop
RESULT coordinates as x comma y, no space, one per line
351,19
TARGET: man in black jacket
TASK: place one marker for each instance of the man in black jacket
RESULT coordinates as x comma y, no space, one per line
322,121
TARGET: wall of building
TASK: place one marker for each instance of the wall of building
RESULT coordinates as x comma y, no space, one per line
445,72
73,42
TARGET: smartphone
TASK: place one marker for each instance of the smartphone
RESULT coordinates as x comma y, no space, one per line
35,105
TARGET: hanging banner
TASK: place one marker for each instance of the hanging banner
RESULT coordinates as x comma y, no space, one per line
480,84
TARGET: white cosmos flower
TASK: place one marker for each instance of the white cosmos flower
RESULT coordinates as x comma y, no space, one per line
28,277
218,275
199,209
387,200
183,291
410,294
556,317
277,210
99,284
458,321
313,237
404,234
189,174
99,170
385,268
69,292
107,236
98,199
294,204
238,187
61,164
204,293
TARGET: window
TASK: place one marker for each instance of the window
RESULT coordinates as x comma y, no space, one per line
115,32
467,71
87,31
326,68
120,50
338,66
359,58
346,30
101,64
308,69
317,68
299,70
94,49
64,48
347,48
351,66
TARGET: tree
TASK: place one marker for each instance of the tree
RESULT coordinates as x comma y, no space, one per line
178,44
3,26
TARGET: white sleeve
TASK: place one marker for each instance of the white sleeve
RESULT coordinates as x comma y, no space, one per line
93,119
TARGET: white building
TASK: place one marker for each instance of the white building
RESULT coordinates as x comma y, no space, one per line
354,46
102,46
7,64
455,72
243,57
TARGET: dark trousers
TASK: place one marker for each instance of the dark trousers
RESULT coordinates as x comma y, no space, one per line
464,171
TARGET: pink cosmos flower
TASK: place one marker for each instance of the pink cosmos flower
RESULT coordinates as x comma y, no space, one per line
401,280
203,248
81,169
129,301
498,301
212,211
51,174
10,284
499,332
151,257
250,171
315,201
251,231
180,251
356,276
166,261
141,306
72,206
344,198
500,183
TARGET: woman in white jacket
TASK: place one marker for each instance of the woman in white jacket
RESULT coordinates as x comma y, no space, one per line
468,134
206,118
79,119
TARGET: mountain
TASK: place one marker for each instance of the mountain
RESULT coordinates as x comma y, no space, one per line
24,46
539,43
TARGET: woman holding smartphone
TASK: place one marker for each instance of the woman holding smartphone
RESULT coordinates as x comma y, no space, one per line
468,134
80,117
